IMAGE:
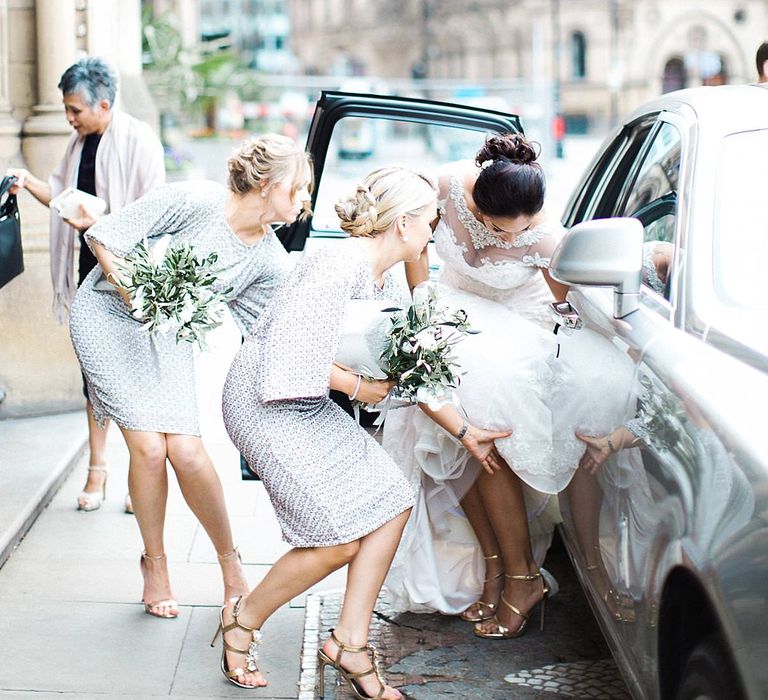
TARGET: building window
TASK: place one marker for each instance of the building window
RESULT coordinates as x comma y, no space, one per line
675,75
578,44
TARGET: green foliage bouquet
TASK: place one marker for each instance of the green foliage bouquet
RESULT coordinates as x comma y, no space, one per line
419,350
172,291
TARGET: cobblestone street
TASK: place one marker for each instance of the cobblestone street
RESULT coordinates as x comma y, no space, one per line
433,656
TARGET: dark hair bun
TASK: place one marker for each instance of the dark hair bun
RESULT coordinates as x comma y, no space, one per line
514,148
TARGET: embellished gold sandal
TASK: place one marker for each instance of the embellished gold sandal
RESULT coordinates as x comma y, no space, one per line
504,632
351,678
477,611
169,603
251,654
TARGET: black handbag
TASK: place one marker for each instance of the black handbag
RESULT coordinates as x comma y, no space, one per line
11,254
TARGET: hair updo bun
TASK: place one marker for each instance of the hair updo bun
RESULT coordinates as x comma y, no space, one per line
510,182
383,196
358,213
512,147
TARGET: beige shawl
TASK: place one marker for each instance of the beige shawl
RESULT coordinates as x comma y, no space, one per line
129,163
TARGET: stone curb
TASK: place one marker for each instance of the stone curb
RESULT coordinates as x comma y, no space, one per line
311,643
37,502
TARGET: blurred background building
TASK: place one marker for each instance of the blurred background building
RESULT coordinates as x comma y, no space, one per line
602,56
223,68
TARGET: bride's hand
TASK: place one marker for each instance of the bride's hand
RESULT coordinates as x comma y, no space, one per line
479,443
373,391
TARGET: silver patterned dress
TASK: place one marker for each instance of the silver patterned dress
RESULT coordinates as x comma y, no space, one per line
329,481
147,382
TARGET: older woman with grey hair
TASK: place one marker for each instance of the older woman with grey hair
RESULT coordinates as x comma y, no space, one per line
115,157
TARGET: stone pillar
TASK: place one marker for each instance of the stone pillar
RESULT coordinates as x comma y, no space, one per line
9,127
46,132
114,33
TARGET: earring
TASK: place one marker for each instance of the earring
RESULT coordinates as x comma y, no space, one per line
263,193
405,239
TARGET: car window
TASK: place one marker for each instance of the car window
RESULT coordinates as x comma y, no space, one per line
652,198
620,171
659,172
361,144
741,220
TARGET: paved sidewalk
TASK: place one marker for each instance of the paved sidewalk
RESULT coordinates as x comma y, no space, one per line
71,625
36,455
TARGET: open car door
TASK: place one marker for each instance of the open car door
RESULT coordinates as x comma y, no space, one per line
352,134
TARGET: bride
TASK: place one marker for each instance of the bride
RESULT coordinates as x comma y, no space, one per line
495,244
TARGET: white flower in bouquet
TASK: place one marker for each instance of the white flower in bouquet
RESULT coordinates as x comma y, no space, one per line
171,290
426,339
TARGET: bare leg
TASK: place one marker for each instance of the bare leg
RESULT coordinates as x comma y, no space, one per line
473,507
502,496
369,560
202,491
365,578
97,443
148,486
292,574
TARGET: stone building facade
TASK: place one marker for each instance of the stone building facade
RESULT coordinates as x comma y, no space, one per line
39,39
607,55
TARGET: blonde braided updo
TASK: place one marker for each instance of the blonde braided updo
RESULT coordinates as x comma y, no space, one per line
381,197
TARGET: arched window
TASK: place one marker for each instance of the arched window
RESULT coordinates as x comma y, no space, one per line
578,45
675,75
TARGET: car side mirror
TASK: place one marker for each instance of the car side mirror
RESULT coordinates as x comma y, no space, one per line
603,253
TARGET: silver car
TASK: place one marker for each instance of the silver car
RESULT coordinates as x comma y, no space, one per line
666,259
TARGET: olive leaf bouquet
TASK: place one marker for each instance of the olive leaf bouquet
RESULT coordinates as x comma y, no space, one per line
419,351
173,292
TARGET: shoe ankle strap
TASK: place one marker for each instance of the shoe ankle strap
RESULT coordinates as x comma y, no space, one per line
229,555
524,577
343,646
493,556
152,557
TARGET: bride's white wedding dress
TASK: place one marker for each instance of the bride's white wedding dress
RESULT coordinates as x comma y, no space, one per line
511,380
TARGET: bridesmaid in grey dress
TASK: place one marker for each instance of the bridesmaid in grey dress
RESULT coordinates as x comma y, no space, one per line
339,498
146,383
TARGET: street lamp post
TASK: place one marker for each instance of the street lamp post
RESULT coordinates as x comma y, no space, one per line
558,120
615,69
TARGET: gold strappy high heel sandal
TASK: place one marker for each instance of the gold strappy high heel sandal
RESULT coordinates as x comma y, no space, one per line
504,632
251,654
351,678
476,611
167,603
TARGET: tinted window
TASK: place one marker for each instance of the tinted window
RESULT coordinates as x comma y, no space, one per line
612,176
652,198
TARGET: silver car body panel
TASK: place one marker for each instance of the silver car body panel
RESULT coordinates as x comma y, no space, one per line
693,506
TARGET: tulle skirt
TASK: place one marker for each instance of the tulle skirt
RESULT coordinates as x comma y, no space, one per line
518,377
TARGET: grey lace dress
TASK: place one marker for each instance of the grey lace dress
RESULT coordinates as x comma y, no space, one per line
147,382
328,480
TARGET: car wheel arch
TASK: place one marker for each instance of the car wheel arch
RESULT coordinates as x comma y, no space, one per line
686,618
